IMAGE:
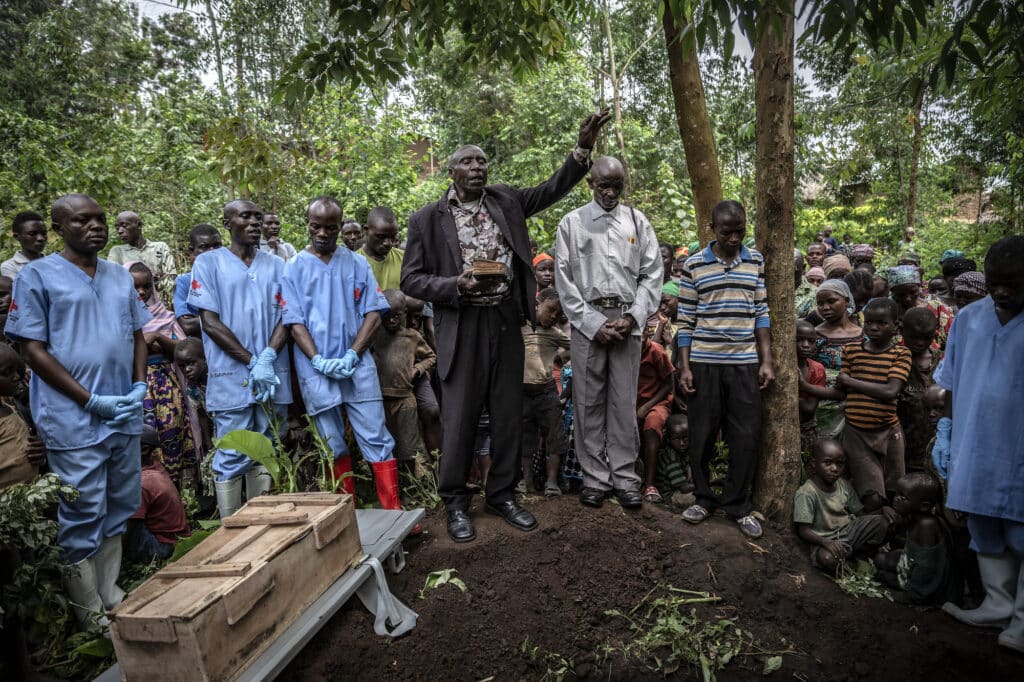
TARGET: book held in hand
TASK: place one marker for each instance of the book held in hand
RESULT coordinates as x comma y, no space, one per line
489,269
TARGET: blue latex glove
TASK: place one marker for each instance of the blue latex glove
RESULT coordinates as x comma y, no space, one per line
103,406
138,392
319,363
348,364
940,451
262,376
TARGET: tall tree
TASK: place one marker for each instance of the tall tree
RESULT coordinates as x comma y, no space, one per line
779,470
692,114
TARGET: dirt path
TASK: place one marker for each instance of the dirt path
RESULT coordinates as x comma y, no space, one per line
551,589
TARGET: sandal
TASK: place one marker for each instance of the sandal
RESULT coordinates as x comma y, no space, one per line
552,490
651,494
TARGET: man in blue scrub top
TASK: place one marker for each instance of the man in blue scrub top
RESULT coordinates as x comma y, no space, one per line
980,441
237,291
79,321
333,311
201,238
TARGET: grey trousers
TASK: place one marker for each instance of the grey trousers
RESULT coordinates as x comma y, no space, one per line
604,409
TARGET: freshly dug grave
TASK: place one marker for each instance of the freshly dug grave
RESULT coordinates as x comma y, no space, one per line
536,606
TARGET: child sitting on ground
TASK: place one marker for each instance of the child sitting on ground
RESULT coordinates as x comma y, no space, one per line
673,474
655,383
812,377
21,452
402,357
828,513
919,326
542,411
925,569
160,520
873,374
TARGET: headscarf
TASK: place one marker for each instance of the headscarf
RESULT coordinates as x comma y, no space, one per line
904,274
682,251
833,263
540,258
910,256
694,246
970,283
950,254
671,288
840,287
816,270
164,322
862,251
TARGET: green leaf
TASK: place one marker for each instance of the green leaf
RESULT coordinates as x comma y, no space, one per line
186,545
771,664
100,647
255,446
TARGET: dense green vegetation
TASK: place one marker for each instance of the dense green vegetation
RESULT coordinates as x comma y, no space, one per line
172,116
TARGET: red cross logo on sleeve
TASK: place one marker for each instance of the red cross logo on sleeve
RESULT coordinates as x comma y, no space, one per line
357,294
279,300
195,284
14,306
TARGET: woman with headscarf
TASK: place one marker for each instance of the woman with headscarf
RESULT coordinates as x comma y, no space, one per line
835,306
953,267
905,289
836,267
164,406
969,287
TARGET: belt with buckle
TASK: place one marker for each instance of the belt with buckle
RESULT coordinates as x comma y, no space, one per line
610,302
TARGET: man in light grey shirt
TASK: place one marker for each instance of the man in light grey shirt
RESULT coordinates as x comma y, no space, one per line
608,274
272,242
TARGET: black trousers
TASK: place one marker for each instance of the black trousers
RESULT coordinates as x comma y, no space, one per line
487,372
728,399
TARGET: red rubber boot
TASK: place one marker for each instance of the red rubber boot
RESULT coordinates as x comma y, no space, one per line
343,466
385,475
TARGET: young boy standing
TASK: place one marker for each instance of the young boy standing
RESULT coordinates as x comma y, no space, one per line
29,230
237,291
79,321
980,442
812,379
919,326
725,361
402,357
542,412
201,238
873,374
828,513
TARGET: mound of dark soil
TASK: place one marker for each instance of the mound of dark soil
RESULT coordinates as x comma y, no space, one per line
551,589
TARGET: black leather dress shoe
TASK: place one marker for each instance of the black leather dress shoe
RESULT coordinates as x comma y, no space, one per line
591,497
630,499
460,528
516,516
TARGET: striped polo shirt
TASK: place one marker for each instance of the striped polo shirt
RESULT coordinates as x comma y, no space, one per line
863,411
720,306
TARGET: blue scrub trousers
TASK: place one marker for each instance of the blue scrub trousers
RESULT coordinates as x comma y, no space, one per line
367,419
108,477
229,464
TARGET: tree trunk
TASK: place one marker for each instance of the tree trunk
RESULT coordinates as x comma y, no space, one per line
694,124
915,159
778,474
614,76
218,57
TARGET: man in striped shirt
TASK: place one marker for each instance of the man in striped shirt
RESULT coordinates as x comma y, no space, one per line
724,362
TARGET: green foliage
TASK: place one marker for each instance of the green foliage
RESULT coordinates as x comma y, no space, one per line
860,581
665,637
436,579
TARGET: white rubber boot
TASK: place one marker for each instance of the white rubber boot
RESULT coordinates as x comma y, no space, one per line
107,563
84,596
229,496
999,575
1013,636
257,482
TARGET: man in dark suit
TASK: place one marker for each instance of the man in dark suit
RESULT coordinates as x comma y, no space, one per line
477,321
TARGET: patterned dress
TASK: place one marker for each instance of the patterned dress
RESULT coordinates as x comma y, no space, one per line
165,410
831,414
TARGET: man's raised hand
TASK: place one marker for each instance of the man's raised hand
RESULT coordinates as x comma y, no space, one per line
590,127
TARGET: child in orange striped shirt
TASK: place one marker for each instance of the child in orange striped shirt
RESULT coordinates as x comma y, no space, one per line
873,374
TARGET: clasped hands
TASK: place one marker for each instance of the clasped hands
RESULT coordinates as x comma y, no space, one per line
614,331
336,368
118,410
